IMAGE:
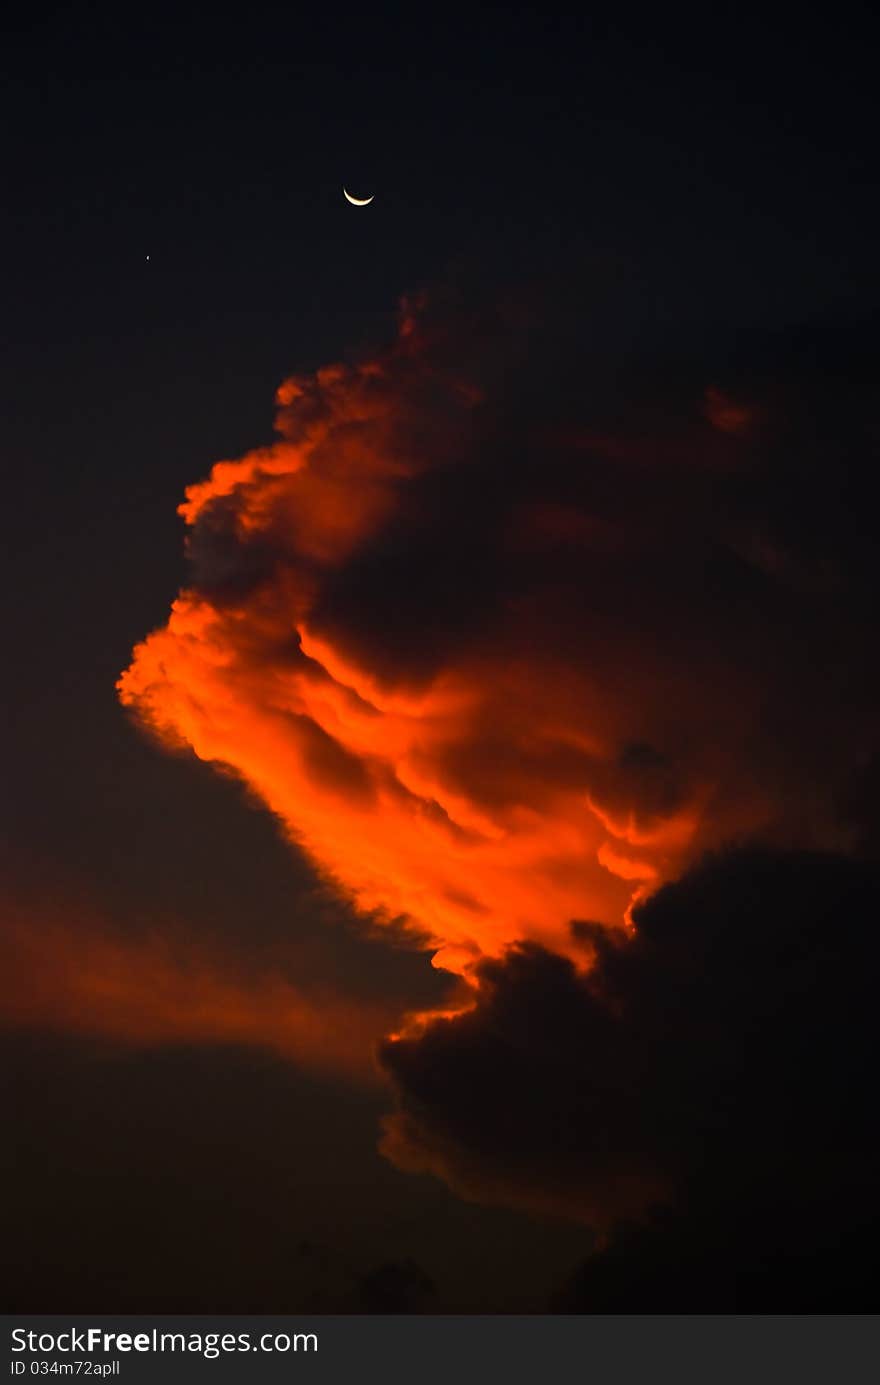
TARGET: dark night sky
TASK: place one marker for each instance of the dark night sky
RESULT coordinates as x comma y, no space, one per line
681,189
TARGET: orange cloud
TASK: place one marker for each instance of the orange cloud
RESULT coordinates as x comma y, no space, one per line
81,976
489,686
366,781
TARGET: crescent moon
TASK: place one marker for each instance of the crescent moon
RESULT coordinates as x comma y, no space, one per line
357,201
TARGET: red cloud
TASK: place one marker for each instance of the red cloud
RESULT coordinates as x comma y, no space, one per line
490,680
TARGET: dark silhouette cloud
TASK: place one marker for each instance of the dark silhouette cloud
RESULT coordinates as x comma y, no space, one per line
709,1082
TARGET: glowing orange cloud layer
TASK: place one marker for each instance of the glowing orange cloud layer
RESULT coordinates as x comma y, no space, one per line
81,977
506,784
357,777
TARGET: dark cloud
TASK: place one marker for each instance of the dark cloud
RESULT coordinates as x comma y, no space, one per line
718,1065
729,1263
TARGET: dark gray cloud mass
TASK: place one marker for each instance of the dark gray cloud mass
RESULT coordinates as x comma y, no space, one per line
704,1096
